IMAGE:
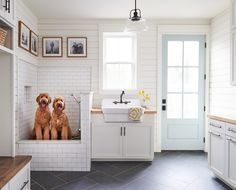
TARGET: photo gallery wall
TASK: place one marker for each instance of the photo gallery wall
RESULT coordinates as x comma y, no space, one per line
51,46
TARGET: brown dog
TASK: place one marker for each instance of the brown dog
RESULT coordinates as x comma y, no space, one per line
42,117
60,123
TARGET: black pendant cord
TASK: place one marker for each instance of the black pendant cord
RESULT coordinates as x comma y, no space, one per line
135,7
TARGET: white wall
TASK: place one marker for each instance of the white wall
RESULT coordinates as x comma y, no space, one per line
222,94
147,67
25,75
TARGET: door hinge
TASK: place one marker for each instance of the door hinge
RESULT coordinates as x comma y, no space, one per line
205,45
204,108
205,76
204,139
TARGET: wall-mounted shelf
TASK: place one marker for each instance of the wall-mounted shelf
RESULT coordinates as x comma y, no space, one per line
4,49
8,45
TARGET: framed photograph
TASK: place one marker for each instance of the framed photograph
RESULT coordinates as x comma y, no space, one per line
76,47
52,46
34,42
24,36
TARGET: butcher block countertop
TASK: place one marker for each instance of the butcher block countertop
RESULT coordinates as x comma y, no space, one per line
10,166
147,110
225,118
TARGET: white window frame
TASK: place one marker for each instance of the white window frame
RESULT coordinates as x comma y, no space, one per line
102,63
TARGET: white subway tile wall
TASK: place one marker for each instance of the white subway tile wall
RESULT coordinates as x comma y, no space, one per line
71,155
63,81
222,93
27,91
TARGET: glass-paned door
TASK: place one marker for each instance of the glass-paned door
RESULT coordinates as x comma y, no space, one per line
183,92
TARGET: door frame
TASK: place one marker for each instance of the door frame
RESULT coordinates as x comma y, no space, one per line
180,30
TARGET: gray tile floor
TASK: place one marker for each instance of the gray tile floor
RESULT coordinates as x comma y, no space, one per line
171,170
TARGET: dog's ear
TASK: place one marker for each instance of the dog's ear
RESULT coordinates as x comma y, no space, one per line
64,107
54,101
49,99
37,99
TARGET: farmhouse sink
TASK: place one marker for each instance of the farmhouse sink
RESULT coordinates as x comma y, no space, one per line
114,112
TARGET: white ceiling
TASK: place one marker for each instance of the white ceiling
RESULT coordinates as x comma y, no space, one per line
119,9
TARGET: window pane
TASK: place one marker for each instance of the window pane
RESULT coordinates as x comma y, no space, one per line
191,53
174,79
190,79
174,108
119,49
190,106
119,76
175,53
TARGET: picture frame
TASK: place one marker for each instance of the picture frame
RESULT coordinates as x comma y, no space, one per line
24,36
76,47
34,43
52,46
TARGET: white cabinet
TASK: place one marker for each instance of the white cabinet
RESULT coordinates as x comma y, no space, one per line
107,141
217,152
231,160
122,141
7,11
21,181
222,151
137,141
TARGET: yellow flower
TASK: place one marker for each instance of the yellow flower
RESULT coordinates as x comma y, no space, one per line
141,92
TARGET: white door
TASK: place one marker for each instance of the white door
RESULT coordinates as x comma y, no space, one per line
107,141
231,160
217,152
183,92
137,141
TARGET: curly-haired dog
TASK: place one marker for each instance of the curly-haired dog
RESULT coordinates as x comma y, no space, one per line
42,117
60,124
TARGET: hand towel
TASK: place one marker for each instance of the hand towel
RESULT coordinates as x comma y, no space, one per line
135,113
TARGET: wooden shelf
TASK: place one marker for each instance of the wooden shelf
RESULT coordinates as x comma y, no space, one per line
4,49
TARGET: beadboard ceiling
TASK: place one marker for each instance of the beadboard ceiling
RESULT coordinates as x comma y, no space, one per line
119,9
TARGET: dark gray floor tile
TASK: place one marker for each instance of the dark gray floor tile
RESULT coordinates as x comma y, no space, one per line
46,179
133,174
170,170
124,166
203,184
99,187
71,176
80,184
36,187
105,180
142,184
106,168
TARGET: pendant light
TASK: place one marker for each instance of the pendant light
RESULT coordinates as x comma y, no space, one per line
135,22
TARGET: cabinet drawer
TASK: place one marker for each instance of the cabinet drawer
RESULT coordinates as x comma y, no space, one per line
217,126
21,180
231,130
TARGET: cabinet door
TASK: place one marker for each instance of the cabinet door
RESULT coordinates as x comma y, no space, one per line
138,142
9,13
21,180
231,160
217,152
107,141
